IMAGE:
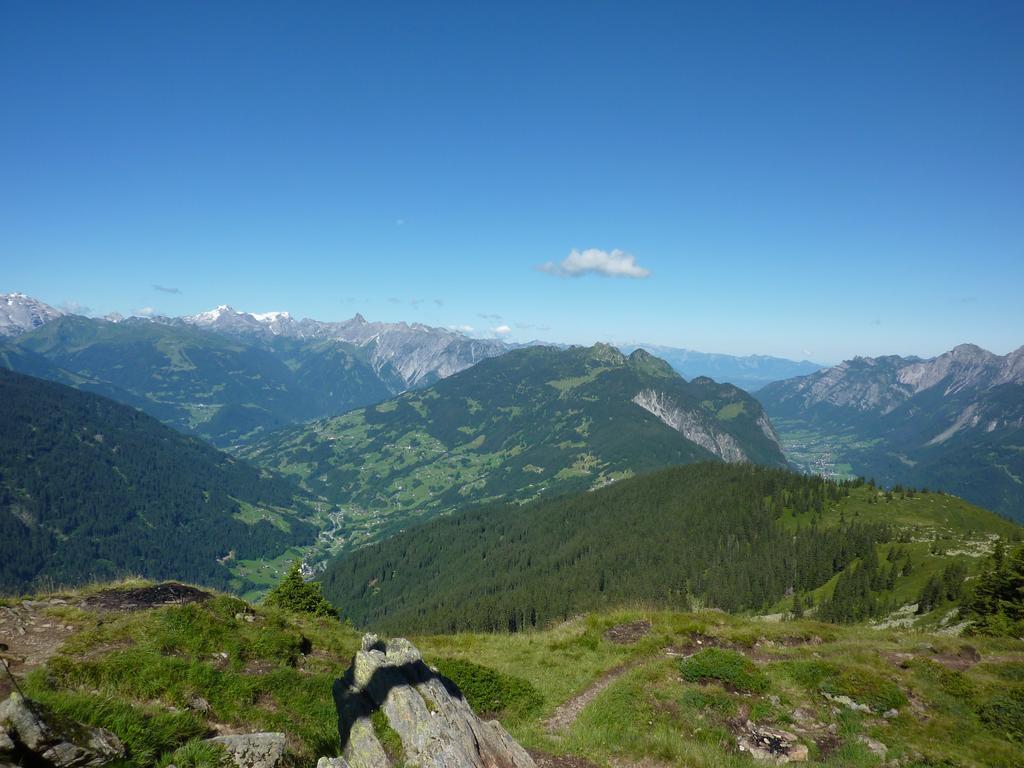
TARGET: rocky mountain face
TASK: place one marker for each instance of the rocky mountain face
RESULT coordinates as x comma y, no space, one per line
955,421
533,421
20,313
749,372
404,355
695,426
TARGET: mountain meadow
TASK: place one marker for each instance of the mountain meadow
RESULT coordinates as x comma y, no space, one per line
532,422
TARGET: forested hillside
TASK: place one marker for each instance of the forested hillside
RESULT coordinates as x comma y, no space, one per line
531,422
736,537
90,488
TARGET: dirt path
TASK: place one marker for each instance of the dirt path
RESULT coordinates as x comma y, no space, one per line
30,633
28,637
566,714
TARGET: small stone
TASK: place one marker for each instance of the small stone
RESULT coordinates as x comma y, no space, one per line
889,714
198,704
798,753
254,750
874,746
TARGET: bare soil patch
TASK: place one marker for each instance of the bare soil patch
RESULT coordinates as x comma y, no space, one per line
627,634
544,760
697,642
144,598
30,635
967,656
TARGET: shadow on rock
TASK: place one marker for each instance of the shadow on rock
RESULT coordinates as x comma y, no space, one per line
423,709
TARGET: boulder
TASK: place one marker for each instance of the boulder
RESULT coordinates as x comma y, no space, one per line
254,750
58,741
426,712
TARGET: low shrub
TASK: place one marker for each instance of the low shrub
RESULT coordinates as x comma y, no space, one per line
732,669
490,691
1004,714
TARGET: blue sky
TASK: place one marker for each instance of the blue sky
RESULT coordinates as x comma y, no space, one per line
796,178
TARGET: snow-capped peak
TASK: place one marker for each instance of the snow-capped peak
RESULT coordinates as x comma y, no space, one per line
20,313
270,317
211,316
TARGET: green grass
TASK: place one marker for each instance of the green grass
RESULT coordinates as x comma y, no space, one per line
197,753
136,674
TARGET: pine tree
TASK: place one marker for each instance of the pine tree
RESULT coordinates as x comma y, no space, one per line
297,595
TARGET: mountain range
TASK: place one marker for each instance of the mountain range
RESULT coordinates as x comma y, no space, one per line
224,375
402,355
532,422
749,372
955,421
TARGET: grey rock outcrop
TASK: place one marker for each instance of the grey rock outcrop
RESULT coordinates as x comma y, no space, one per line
694,426
29,733
254,750
435,724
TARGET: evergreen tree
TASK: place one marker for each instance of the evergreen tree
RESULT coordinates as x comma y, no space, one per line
300,596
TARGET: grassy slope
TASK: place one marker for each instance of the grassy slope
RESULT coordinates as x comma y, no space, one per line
127,671
939,527
531,422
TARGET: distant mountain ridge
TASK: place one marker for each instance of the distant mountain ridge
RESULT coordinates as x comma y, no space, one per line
749,372
405,355
225,374
955,421
533,421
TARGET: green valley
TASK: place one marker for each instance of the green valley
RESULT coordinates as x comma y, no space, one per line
530,423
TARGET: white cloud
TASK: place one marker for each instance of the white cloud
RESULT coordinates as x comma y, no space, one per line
596,262
501,330
72,307
144,312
